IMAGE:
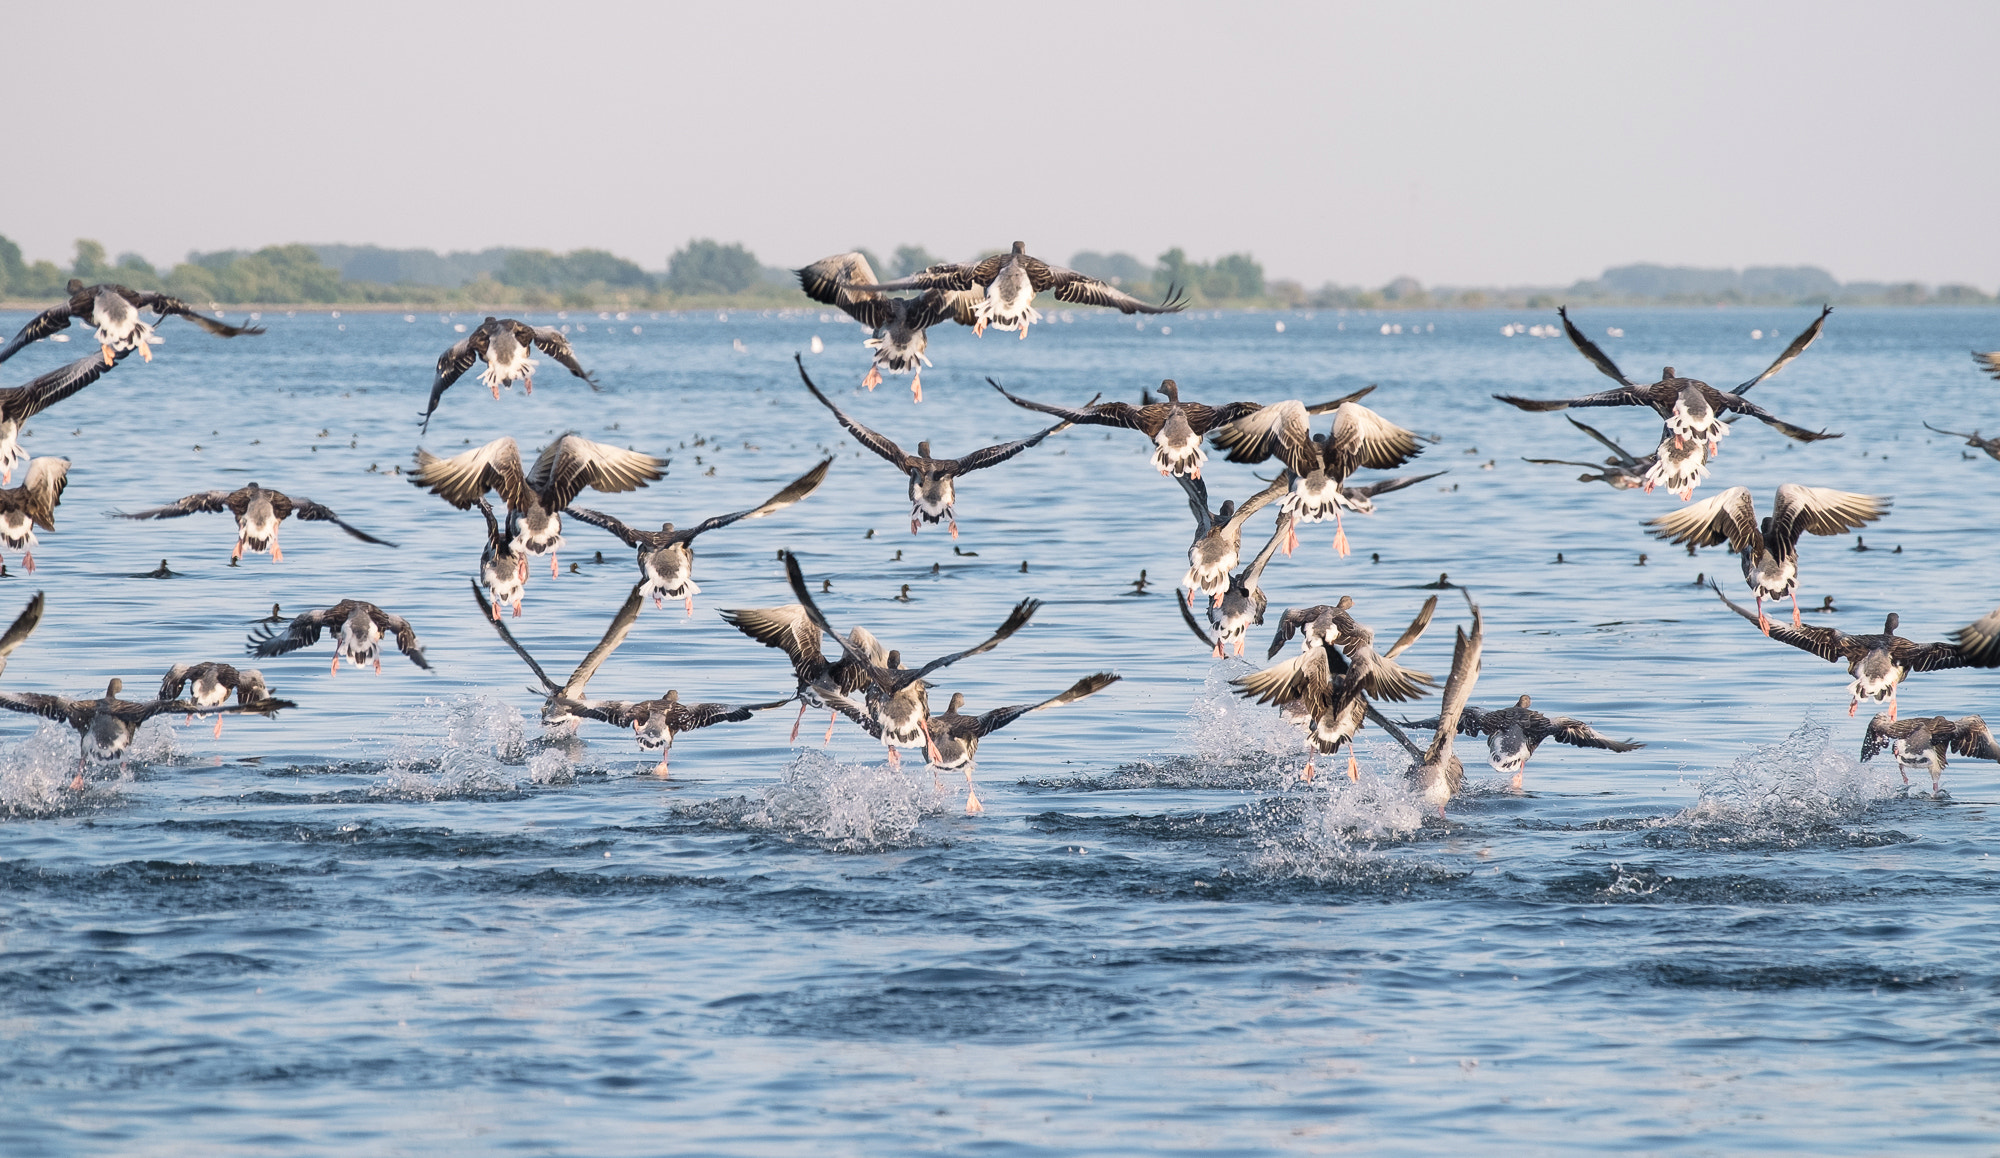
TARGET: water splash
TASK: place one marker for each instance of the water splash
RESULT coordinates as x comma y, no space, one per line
455,747
844,807
35,774
1339,825
1223,727
1800,783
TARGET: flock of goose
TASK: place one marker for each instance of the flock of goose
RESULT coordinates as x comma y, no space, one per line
1329,688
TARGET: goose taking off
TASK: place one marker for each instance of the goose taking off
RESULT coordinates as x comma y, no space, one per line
1242,605
933,481
1770,548
258,511
1175,427
114,310
822,684
213,684
1513,734
1441,774
1008,283
1924,741
32,504
23,626
535,498
556,695
359,631
900,325
503,566
1218,535
1990,445
105,725
1692,409
20,403
1880,663
655,723
507,347
957,734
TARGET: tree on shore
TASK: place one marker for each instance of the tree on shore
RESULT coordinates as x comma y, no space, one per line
706,266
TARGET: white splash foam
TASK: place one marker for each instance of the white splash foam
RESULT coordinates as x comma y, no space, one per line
1225,727
35,774
456,746
1801,781
1334,836
850,807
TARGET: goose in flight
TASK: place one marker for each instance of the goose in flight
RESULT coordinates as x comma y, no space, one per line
1242,605
1693,409
666,556
1924,741
507,347
114,310
957,734
1440,775
535,498
558,698
24,625
1512,734
20,403
359,629
1320,465
900,325
1008,283
1990,445
1218,535
213,683
1988,361
105,725
933,481
503,566
656,722
1175,427
32,504
258,511
1770,548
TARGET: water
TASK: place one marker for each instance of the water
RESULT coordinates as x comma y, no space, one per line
396,921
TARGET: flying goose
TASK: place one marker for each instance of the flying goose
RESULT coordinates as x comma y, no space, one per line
1770,549
1880,663
1990,445
1622,471
503,566
20,403
213,684
507,347
1441,775
557,696
1988,361
360,628
1693,409
258,511
32,504
957,734
1242,605
900,325
24,625
535,498
1175,427
1335,626
933,481
105,725
114,310
1923,742
1321,465
1513,734
1010,281
1218,535
822,683
655,723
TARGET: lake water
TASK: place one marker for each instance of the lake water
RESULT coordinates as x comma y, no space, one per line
395,922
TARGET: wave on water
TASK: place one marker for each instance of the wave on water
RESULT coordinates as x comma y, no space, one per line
842,807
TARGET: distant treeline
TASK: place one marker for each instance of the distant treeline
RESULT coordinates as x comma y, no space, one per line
706,273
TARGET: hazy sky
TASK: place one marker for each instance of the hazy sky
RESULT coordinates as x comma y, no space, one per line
1525,143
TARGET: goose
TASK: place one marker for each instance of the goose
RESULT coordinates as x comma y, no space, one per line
1335,626
556,697
258,511
503,566
893,694
1770,549
1321,465
105,725
24,625
507,347
1320,690
1990,445
32,504
656,722
20,403
114,310
1440,775
1880,663
1924,741
666,556
1008,283
213,684
359,629
1622,471
957,734
535,498
900,325
1218,535
1242,605
822,683
1692,409
1988,361
1175,427
1513,734
933,481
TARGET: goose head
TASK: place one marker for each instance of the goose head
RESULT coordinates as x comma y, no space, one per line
1171,389
1889,624
112,689
957,702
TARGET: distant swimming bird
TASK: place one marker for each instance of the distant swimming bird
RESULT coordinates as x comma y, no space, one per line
666,556
24,625
507,347
1692,409
1923,742
1175,427
535,498
359,630
1140,584
1010,281
114,310
1770,548
1880,663
1989,362
1441,774
503,566
933,481
1990,445
20,403
105,725
900,325
1513,734
1218,535
656,722
556,695
32,504
1826,607
258,511
213,684
1320,465
957,734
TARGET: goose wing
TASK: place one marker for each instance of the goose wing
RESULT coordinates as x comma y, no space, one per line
787,628
614,635
555,344
838,280
1628,396
1806,338
1079,289
1823,511
961,306
617,713
1296,617
572,462
1255,571
406,636
75,713
1970,737
21,403
452,365
176,678
1458,685
43,488
53,320
793,491
1740,405
1290,681
1731,515
1146,418
951,275
1926,656
866,437
1363,438
1624,458
304,631
24,624
209,502
462,478
1384,486
1588,349
1882,731
1256,502
1979,641
1194,625
1016,620
1565,730
317,513
1989,361
170,307
549,686
1829,643
995,455
990,722
1414,631
1197,498
632,536
1281,430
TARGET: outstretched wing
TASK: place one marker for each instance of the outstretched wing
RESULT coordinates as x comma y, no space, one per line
995,455
43,488
998,718
552,342
1194,625
1798,346
1979,641
209,502
314,512
1731,515
165,307
1970,737
1071,286
1197,497
1829,643
1384,486
1105,414
614,635
838,280
21,403
451,366
1565,730
1291,680
1797,433
951,275
1588,349
1617,451
1281,430
1882,731
789,629
462,478
1363,438
1989,361
1297,617
572,462
17,632
866,437
266,641
793,491
1016,620
1823,511
1628,396
1458,685
54,320
57,708
631,537
406,636
479,600
1415,630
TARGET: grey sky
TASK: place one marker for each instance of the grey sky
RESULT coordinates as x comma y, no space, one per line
1461,144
